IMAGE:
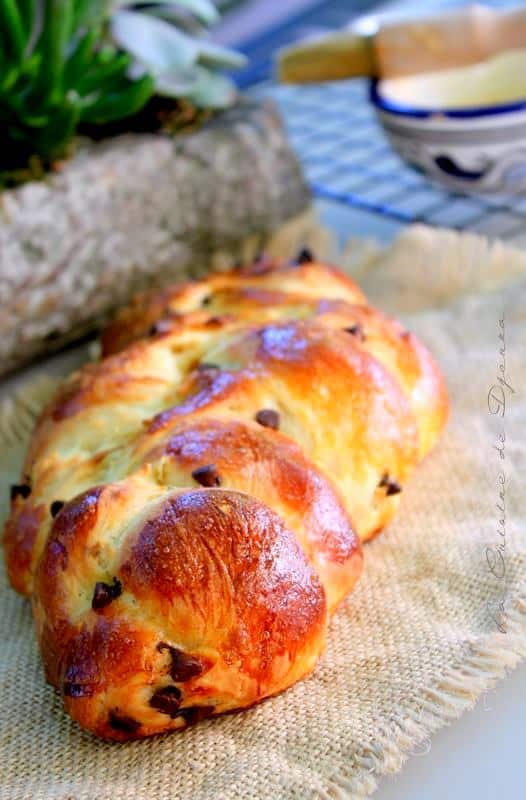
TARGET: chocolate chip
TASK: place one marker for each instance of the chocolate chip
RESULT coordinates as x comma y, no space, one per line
194,714
52,336
167,700
104,593
20,490
260,265
392,487
55,507
268,418
305,256
356,330
161,326
183,667
120,722
206,300
207,475
215,321
71,689
205,367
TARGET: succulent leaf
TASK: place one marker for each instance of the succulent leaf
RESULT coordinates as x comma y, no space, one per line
213,90
101,74
155,43
202,9
52,45
64,63
119,104
80,53
180,83
13,27
27,13
213,55
88,13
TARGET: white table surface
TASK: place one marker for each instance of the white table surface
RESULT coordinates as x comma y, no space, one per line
482,755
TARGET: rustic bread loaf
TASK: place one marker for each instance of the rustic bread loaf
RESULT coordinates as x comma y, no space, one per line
191,507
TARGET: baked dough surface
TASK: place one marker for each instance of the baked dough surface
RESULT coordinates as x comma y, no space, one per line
192,507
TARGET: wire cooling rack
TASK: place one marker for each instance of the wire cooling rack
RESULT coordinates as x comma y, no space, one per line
345,155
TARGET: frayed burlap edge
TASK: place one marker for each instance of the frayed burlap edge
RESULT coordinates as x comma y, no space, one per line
485,661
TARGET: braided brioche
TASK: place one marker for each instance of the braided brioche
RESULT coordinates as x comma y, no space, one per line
193,505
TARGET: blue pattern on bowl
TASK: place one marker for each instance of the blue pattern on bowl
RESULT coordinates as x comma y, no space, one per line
480,149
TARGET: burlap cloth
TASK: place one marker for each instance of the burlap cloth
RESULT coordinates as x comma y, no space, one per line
436,619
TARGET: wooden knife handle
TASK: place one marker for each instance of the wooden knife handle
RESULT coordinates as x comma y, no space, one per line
343,55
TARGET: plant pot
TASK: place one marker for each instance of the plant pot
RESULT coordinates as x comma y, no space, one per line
136,211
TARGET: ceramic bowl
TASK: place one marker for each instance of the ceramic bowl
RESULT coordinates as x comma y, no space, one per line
465,128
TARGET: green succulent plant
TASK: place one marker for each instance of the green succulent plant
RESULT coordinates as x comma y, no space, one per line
65,63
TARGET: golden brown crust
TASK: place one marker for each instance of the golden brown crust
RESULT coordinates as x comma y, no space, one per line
257,287
216,607
267,465
20,536
270,291
193,504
